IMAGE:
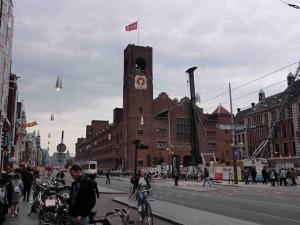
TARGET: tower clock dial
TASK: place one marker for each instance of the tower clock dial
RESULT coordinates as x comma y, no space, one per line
140,82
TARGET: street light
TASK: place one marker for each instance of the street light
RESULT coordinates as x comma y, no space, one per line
52,117
142,120
197,98
58,85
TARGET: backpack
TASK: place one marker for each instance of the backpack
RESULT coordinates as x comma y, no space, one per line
17,188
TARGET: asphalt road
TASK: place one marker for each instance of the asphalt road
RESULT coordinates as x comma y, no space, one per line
280,205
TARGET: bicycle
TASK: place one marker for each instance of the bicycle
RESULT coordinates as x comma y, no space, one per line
123,214
146,211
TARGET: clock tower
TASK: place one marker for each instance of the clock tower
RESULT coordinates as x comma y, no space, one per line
137,103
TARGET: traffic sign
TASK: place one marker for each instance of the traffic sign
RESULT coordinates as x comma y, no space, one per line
231,127
235,153
61,148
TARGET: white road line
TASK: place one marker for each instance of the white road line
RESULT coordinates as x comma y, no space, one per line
264,214
263,202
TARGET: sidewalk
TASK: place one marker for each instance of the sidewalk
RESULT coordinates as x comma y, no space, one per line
22,218
104,190
189,186
178,214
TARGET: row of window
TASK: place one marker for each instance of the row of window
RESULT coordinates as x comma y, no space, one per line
183,129
263,119
161,132
240,138
212,146
211,133
285,150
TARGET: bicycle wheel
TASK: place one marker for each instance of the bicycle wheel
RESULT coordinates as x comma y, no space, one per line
148,214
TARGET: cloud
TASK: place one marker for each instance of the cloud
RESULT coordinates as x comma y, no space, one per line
83,41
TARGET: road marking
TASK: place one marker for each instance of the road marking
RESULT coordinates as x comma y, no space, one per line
264,202
264,214
276,196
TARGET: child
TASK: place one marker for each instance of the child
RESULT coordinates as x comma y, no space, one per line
17,189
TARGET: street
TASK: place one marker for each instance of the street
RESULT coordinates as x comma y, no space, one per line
261,204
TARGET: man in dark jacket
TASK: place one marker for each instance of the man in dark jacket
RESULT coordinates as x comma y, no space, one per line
82,196
27,179
107,177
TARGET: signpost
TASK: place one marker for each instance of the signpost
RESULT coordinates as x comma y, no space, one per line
61,148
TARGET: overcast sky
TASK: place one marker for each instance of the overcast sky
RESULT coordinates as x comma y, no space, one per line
232,41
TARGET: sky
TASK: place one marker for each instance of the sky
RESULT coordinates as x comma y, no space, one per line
82,41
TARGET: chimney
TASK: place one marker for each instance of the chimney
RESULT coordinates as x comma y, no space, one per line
252,104
290,78
238,110
261,95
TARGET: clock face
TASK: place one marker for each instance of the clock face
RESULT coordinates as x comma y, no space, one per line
140,82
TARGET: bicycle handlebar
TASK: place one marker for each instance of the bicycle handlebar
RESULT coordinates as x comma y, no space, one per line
146,190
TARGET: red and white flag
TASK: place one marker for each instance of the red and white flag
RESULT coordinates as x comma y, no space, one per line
132,26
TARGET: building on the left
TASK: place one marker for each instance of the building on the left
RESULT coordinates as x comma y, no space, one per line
12,111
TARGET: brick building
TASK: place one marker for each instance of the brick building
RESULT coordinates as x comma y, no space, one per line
161,123
285,144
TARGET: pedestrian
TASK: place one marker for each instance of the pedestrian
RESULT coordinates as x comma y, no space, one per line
264,175
246,175
272,177
283,177
27,179
206,177
253,175
230,175
17,188
142,183
82,196
199,175
276,176
288,177
107,177
3,199
294,176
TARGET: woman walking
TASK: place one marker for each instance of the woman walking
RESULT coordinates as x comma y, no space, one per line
17,189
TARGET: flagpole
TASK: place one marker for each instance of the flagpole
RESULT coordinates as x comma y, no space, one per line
138,28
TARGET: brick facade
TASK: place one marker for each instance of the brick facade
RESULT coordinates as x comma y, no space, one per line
285,145
161,123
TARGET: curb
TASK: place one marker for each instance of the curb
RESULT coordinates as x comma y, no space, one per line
115,192
154,214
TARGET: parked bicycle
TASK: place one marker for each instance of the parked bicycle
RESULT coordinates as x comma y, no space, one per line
123,214
49,202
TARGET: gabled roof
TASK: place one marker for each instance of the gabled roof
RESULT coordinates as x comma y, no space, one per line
220,110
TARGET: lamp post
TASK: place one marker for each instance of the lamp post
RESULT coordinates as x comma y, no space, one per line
136,143
234,148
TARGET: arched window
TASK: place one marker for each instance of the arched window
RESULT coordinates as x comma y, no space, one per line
140,64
